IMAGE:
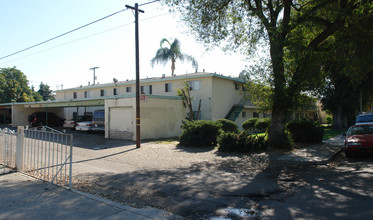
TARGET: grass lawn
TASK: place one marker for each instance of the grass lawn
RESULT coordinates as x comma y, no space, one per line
330,132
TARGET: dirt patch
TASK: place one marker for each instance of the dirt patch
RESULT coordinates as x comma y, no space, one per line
191,182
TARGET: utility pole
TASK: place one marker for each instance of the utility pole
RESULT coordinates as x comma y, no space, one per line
136,8
94,73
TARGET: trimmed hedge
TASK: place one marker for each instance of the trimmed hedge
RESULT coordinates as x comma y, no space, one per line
305,131
249,124
199,133
241,143
263,124
227,125
329,120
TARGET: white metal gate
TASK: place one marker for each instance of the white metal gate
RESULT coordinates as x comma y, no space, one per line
46,155
8,143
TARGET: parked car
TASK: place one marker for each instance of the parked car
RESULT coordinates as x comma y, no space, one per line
45,118
365,118
359,138
72,123
98,121
84,126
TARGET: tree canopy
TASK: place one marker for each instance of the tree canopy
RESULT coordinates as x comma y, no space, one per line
45,92
342,62
14,87
172,53
244,24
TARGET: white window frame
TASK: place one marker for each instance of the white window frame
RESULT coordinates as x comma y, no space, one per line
168,87
194,85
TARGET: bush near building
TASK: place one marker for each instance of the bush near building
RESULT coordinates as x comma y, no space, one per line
242,142
201,133
329,119
263,124
227,125
305,131
249,124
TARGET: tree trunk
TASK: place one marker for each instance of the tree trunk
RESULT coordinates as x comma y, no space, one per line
281,103
337,118
173,66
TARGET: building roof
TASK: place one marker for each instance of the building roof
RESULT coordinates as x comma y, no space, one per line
97,101
155,79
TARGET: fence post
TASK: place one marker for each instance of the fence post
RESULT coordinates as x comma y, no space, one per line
19,148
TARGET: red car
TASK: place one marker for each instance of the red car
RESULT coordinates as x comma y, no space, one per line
359,138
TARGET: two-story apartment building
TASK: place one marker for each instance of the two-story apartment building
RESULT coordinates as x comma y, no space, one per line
161,109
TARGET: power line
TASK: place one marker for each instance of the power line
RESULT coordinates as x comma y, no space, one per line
149,3
82,38
53,38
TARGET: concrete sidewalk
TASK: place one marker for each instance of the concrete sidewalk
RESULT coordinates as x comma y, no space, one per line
318,154
23,197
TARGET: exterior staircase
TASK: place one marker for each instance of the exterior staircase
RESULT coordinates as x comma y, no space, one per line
234,112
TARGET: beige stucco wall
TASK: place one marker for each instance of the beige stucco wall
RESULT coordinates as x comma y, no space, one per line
224,96
249,114
158,88
160,118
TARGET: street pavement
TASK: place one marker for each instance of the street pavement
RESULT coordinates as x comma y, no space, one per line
23,197
319,154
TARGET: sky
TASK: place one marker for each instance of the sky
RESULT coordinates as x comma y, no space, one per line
109,44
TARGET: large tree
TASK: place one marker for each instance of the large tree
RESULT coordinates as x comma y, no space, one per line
171,53
14,86
245,23
343,61
45,92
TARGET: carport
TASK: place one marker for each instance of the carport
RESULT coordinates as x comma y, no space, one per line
161,116
20,111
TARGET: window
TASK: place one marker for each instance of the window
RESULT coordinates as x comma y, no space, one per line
102,92
147,89
243,114
128,89
75,95
195,85
236,86
168,87
115,91
255,115
85,94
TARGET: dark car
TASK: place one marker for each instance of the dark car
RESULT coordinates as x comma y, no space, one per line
98,121
45,118
359,138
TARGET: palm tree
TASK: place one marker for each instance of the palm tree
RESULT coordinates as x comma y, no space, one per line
173,52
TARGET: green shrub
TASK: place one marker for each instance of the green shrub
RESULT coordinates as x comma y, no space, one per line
263,124
283,141
199,133
241,143
329,120
227,125
305,131
249,124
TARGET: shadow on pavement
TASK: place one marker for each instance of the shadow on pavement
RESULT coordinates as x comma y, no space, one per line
277,191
